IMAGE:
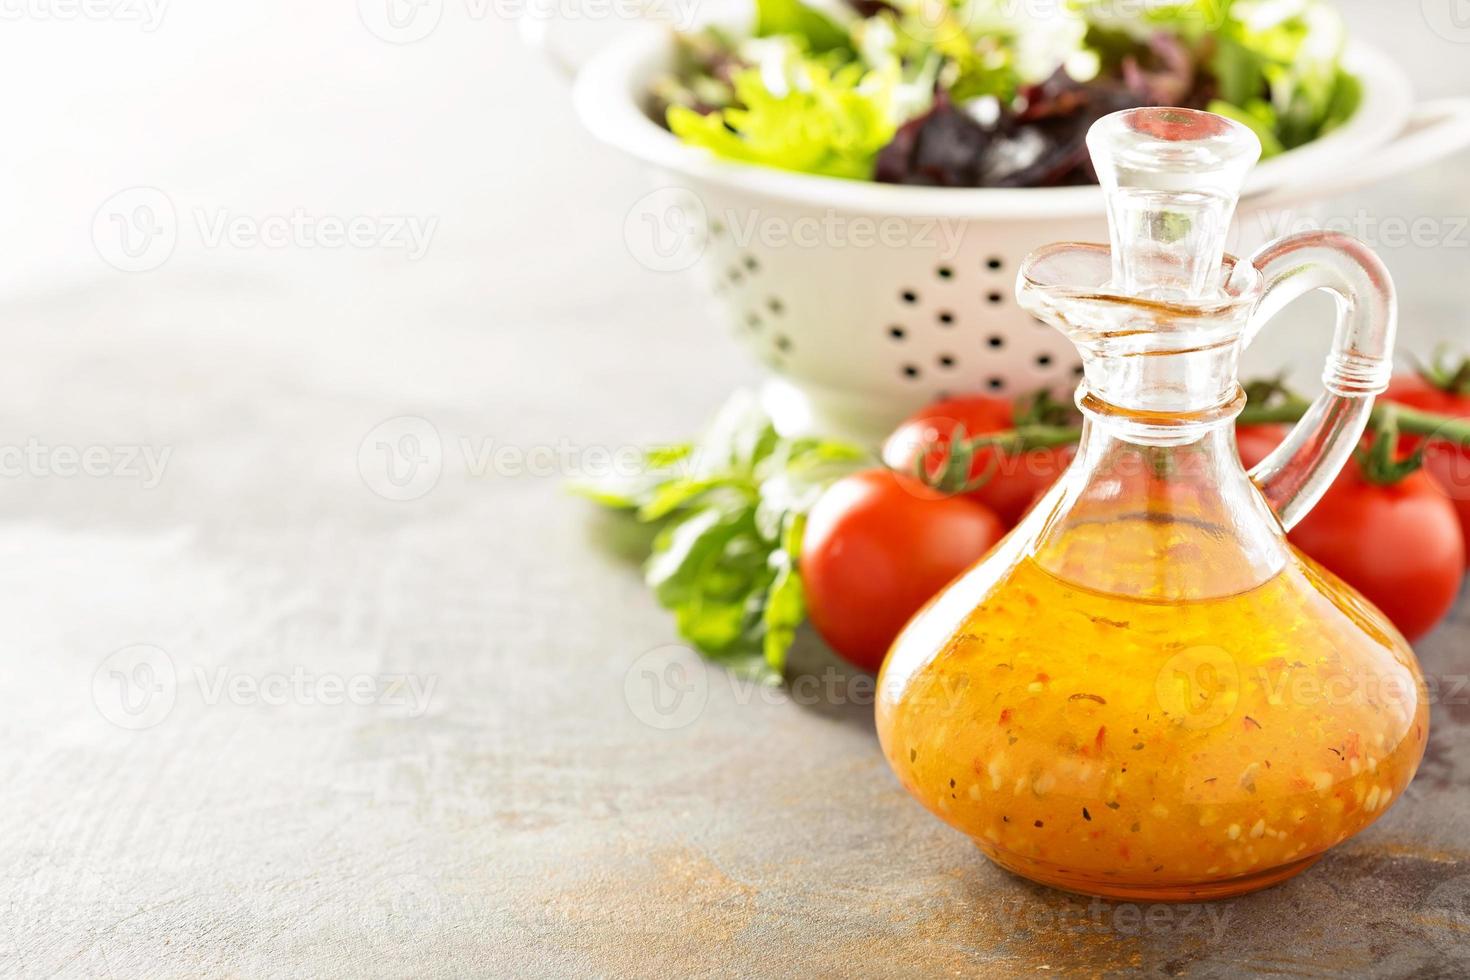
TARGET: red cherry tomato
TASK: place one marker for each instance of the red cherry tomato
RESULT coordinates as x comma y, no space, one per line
1447,464
1256,442
1016,480
1398,544
1418,391
877,547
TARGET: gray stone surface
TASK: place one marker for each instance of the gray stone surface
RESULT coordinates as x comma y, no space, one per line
490,798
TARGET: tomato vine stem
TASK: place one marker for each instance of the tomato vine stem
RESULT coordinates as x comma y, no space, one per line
1438,428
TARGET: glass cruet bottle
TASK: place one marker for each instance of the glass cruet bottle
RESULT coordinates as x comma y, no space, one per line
1144,692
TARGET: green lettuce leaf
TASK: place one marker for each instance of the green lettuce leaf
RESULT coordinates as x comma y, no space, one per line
792,18
1288,54
825,121
1256,114
1277,64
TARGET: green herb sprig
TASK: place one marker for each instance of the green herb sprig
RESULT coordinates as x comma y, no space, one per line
731,509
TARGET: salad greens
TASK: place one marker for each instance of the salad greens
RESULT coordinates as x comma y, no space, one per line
995,92
730,510
822,121
775,18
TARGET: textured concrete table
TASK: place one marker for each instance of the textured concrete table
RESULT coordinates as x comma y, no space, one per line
311,666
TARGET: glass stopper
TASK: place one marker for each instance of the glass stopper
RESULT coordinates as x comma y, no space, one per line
1172,178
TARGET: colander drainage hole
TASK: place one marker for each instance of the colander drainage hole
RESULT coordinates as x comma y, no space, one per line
995,298
751,264
910,371
946,360
783,343
944,272
994,263
996,341
775,305
946,317
897,333
996,384
1043,360
909,296
735,275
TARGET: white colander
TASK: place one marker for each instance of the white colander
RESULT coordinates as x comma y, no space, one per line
866,301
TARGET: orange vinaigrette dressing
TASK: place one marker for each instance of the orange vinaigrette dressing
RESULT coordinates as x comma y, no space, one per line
1152,748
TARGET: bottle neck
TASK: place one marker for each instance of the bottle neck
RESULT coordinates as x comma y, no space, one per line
1162,399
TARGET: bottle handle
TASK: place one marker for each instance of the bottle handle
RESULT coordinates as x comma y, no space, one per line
1298,473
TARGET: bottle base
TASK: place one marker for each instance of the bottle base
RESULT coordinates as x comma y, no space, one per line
1118,888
